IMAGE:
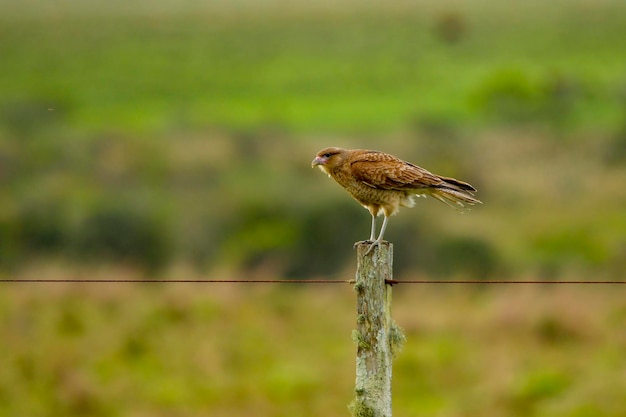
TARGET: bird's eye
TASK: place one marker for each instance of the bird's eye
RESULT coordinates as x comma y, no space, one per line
327,155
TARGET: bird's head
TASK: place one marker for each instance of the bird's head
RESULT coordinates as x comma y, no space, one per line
328,158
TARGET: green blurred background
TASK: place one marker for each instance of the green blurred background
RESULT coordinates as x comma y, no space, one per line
173,139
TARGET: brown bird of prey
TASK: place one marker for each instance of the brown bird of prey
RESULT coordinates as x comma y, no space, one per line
383,183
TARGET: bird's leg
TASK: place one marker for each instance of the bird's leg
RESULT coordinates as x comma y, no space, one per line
373,233
382,229
380,236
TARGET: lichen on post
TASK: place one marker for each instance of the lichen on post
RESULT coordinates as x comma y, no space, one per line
377,337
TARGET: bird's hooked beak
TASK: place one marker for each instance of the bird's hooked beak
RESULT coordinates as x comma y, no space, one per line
319,160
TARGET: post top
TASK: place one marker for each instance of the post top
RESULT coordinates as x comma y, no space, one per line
368,243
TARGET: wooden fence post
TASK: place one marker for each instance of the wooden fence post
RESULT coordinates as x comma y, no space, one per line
377,336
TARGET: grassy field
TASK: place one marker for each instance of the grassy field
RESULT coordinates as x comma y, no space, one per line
235,350
173,139
372,69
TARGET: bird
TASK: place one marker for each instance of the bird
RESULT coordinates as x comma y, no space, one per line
382,183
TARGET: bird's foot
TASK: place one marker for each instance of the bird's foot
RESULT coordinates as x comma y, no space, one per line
373,245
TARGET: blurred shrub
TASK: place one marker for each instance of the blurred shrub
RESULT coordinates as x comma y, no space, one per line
412,247
42,228
451,27
295,242
468,256
324,238
551,329
34,228
8,250
561,95
514,96
419,250
120,233
538,386
316,241
556,249
509,95
255,234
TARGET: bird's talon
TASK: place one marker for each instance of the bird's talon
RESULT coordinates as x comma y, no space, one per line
372,246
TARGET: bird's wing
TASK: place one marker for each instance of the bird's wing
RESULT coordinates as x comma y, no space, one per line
384,171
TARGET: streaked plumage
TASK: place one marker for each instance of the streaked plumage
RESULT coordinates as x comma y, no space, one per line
382,183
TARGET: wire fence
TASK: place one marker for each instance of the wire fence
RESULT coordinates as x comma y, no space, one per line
308,281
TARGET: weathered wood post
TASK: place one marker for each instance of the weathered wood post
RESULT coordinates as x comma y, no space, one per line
377,336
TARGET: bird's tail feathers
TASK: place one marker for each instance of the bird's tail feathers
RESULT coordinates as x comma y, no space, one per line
455,193
453,198
456,184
